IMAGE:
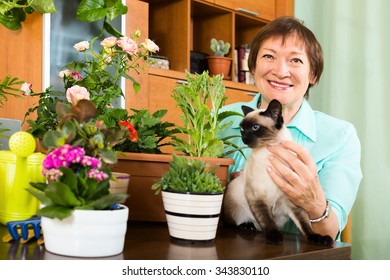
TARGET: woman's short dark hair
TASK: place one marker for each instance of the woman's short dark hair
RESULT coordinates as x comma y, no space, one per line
285,27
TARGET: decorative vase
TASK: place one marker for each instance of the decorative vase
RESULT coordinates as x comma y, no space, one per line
87,233
219,65
121,184
192,217
145,170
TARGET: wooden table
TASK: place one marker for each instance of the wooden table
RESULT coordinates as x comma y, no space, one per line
151,241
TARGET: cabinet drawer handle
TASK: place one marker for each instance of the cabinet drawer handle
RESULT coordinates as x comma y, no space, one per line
248,12
182,82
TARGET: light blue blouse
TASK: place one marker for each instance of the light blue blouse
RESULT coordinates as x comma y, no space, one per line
333,144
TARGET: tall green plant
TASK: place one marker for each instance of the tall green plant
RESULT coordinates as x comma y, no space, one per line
200,101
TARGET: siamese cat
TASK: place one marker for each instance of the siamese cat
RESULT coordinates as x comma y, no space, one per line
252,201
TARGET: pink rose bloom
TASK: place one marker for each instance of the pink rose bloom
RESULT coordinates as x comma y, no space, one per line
150,46
128,45
77,76
109,42
76,93
65,73
26,89
81,46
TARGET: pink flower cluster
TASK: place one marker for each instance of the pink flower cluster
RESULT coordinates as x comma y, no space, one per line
66,156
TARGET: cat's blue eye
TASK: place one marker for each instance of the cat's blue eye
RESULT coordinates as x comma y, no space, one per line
255,127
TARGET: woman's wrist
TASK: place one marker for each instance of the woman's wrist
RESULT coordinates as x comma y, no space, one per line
324,216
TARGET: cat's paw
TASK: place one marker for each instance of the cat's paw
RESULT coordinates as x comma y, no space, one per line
323,240
274,237
248,227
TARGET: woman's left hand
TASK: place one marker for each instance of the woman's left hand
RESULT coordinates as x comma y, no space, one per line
293,170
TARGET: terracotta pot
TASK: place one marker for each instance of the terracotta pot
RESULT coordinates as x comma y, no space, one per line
219,65
145,170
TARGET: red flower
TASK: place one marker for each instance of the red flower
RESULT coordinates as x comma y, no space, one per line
133,137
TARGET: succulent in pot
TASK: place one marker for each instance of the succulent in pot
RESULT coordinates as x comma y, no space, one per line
192,196
189,175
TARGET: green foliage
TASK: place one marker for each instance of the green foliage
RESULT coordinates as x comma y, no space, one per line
14,12
151,130
201,122
7,88
189,175
74,190
47,118
219,47
78,128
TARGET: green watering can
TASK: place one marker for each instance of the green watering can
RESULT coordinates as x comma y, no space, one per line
18,167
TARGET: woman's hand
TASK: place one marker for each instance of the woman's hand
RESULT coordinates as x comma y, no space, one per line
293,170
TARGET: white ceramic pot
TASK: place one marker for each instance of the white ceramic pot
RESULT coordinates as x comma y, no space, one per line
192,217
87,233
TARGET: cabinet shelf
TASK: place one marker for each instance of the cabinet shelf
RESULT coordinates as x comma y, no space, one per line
182,26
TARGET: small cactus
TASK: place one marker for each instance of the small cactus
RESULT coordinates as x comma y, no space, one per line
219,47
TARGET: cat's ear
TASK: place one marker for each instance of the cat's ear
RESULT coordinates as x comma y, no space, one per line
274,111
246,110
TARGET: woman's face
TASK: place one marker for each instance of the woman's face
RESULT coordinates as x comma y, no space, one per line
283,71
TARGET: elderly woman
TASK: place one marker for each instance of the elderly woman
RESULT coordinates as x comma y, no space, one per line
286,60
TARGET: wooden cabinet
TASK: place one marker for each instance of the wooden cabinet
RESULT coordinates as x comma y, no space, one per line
264,9
180,27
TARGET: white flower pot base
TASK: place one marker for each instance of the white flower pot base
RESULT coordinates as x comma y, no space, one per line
87,233
192,217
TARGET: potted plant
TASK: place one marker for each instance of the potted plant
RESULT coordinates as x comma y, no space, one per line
200,101
192,195
219,63
96,77
78,210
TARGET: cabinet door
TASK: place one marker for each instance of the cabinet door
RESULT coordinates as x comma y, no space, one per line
137,19
235,95
264,9
160,91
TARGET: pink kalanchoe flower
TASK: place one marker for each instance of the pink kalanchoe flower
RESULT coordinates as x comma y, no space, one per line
76,93
26,89
91,161
97,175
81,46
150,46
109,42
128,45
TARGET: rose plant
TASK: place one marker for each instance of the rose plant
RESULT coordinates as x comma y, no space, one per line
77,165
96,77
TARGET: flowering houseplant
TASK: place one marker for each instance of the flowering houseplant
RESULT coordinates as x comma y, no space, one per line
77,164
96,77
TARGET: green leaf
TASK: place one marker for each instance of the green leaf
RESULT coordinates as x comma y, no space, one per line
52,212
61,194
91,10
108,156
108,200
40,196
44,6
69,177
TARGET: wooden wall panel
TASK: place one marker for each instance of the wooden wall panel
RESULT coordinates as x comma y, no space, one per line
21,57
